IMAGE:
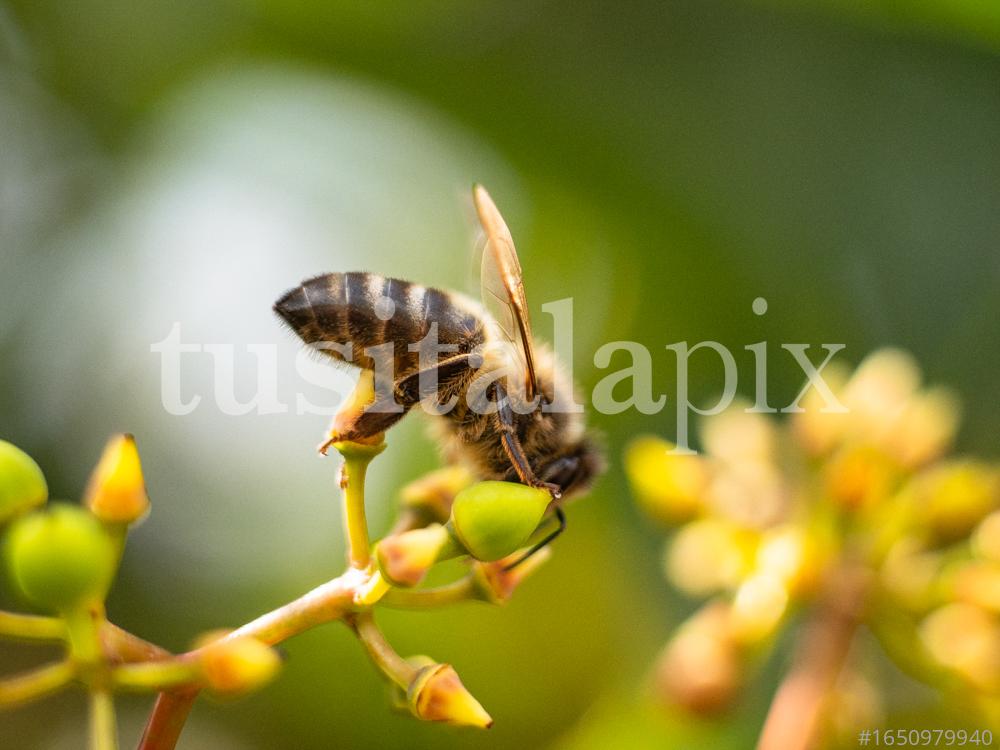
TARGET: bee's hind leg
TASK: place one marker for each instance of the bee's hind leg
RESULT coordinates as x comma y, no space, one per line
371,410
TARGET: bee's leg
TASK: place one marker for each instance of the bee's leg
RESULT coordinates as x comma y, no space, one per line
512,444
384,411
561,517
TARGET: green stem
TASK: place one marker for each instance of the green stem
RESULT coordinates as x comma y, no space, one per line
32,627
103,727
461,590
359,547
155,675
36,684
394,666
84,626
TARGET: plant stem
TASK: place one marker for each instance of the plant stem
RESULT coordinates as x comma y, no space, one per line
325,603
394,666
84,624
121,647
103,727
155,675
330,601
457,591
795,717
32,627
166,722
354,513
36,684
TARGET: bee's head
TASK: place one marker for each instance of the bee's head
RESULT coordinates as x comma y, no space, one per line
577,469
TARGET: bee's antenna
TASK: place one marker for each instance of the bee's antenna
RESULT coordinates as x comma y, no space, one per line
561,517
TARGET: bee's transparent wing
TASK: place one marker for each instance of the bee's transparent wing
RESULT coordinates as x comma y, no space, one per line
503,286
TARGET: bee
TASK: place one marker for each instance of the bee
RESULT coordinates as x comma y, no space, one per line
504,422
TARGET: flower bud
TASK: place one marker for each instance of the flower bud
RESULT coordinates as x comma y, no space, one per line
860,476
22,484
61,557
788,553
669,487
117,491
434,493
911,573
760,603
436,694
709,555
700,668
976,582
966,639
231,666
493,519
495,583
954,496
986,538
404,559
397,694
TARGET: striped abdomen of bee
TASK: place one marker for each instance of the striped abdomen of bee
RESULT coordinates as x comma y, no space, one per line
381,324
345,314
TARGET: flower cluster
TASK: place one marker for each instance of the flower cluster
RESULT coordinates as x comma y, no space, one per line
851,516
62,559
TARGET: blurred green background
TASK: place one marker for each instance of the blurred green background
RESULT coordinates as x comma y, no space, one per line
663,163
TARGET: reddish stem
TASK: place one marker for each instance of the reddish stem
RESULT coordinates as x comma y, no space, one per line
795,717
167,720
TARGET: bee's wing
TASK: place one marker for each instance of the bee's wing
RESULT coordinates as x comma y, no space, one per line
503,285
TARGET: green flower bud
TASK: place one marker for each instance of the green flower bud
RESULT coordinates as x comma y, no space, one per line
22,485
60,558
493,519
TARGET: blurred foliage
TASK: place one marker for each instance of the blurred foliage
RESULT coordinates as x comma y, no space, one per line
663,163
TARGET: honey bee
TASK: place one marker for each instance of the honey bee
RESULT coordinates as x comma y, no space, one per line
504,422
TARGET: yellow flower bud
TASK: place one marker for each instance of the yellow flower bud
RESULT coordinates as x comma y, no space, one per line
435,492
22,484
493,519
926,428
404,559
117,491
911,573
953,497
669,487
788,553
436,694
701,669
232,666
860,476
709,555
759,605
60,558
986,538
966,639
977,583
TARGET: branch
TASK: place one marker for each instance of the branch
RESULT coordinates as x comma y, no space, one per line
796,713
35,684
32,627
384,656
326,603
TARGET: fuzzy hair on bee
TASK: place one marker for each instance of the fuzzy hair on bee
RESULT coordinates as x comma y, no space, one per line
503,422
